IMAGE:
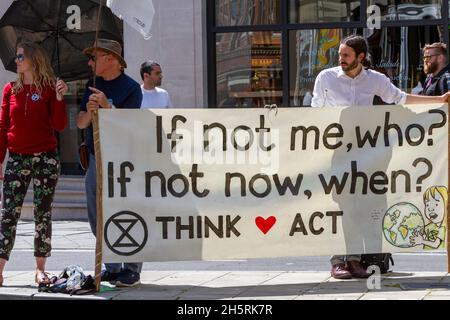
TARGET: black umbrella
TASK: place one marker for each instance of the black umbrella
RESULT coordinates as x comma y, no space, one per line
50,23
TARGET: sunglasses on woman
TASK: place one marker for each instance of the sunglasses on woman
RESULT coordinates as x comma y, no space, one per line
20,57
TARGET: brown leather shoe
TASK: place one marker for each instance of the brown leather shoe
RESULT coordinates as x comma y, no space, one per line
357,270
339,271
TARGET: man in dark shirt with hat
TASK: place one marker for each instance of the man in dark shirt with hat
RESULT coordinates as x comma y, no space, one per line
113,89
436,68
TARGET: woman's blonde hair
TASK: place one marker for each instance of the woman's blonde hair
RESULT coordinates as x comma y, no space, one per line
431,192
43,75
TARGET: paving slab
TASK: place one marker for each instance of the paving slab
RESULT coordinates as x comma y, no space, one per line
235,278
154,276
220,292
277,290
60,296
429,297
439,292
342,296
190,278
299,277
399,295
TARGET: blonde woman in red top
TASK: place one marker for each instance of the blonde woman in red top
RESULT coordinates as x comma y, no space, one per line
32,109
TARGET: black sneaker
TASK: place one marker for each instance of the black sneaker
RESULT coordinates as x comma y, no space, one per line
110,277
128,278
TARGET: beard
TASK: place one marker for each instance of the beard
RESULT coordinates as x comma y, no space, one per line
351,66
155,83
430,67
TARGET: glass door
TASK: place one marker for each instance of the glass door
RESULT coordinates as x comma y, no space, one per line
71,137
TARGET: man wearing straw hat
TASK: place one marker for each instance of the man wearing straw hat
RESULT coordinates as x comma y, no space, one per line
111,88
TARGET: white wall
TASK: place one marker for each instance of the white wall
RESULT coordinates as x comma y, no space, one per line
178,43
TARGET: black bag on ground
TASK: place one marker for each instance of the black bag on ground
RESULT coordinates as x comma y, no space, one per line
379,259
72,280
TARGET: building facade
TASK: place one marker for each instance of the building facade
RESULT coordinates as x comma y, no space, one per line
251,53
270,51
177,43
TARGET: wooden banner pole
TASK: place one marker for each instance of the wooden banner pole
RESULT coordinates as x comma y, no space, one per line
98,166
448,191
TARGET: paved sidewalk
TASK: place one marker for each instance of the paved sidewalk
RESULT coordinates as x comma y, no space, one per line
223,284
66,235
249,285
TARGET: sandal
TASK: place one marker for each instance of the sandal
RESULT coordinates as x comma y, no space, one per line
41,278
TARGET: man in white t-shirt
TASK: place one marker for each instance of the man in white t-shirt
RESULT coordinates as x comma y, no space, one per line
152,96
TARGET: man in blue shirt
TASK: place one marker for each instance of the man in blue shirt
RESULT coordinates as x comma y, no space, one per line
113,89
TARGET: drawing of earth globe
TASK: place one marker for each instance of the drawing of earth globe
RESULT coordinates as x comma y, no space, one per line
399,223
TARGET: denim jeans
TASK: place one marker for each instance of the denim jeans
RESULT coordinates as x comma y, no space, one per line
91,196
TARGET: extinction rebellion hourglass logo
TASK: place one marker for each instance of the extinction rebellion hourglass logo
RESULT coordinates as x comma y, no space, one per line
126,233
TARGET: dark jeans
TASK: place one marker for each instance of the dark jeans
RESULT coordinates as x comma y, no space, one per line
91,196
43,168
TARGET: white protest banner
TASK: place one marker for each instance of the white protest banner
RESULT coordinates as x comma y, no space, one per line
193,184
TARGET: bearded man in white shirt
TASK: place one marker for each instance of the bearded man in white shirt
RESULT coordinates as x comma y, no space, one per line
350,84
152,96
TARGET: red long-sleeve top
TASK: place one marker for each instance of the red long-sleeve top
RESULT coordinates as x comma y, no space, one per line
28,120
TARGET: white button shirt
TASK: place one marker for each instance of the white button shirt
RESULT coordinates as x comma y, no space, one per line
334,88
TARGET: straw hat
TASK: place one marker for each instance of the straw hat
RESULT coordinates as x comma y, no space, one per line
109,46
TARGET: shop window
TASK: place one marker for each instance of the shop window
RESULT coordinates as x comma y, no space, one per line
249,69
71,137
311,51
247,12
408,10
397,52
310,11
394,51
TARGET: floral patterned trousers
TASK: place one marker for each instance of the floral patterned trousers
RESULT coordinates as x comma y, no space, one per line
43,168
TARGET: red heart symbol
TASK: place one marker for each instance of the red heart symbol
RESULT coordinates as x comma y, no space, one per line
265,224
